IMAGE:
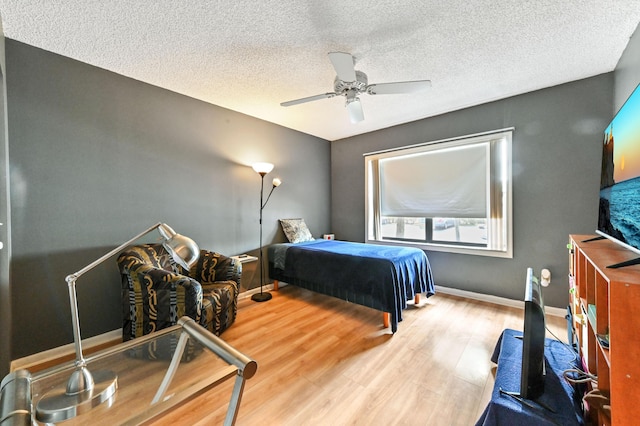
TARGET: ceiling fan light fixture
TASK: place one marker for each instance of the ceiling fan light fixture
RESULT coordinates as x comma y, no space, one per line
355,109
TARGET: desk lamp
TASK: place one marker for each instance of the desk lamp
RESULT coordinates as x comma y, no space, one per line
85,390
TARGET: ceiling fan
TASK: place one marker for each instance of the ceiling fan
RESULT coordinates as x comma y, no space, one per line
350,83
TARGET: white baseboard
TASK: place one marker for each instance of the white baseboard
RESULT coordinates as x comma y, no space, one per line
550,310
55,356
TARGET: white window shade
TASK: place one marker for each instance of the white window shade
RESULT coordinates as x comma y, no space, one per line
442,183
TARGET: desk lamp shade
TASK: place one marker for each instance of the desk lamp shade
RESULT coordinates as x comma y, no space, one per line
182,249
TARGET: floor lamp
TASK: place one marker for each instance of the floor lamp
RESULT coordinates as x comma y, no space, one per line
85,390
262,169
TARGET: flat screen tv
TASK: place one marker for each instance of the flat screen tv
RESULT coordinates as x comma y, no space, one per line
533,370
619,209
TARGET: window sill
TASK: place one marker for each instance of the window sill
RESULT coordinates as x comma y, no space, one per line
475,251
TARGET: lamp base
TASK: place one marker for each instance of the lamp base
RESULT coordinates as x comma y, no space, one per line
58,405
261,297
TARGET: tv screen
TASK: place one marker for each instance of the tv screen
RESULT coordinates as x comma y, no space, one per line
619,209
533,370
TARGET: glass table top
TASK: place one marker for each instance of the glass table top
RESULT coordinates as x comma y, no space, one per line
147,383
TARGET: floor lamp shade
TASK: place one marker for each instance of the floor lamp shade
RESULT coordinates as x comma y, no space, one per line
262,168
85,390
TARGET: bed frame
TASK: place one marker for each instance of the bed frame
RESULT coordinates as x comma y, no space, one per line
385,315
376,276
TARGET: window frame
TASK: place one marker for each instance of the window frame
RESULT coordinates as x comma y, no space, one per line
372,195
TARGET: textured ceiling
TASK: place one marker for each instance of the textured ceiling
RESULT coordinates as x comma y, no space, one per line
249,56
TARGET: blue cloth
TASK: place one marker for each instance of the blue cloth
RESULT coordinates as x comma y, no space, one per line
558,395
378,276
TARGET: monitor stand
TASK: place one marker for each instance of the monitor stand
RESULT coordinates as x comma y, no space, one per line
598,238
630,262
528,402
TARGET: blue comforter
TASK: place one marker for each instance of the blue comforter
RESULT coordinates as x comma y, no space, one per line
377,276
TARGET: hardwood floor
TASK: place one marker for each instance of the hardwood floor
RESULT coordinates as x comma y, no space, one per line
323,361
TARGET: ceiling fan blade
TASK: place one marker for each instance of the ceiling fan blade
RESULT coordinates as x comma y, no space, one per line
355,110
399,87
308,99
344,65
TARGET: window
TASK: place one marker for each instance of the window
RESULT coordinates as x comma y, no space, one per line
452,195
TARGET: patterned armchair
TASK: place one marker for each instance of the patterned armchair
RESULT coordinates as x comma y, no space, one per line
156,292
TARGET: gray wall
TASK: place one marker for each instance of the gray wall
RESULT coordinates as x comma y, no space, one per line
5,236
556,172
96,158
627,73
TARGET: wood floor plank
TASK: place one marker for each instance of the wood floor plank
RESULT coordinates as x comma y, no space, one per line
323,361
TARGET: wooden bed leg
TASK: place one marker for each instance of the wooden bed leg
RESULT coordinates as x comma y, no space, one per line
275,285
416,299
385,319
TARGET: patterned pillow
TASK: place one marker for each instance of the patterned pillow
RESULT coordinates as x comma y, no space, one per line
296,230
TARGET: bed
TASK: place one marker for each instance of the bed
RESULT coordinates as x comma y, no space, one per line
377,276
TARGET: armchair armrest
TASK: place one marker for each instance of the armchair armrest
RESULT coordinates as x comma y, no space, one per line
212,267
